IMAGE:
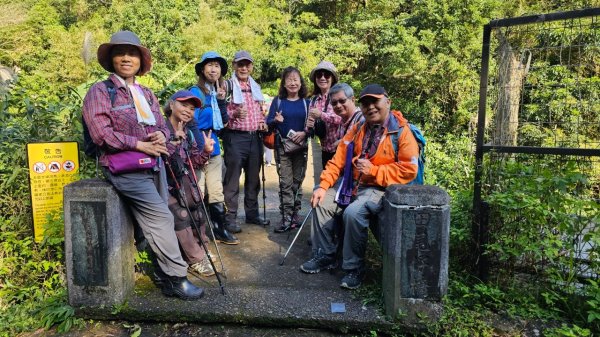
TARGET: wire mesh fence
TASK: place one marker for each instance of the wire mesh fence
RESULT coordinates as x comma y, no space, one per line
537,179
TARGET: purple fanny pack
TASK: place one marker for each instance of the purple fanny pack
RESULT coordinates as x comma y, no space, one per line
129,161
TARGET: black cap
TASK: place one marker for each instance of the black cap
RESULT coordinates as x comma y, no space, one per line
373,90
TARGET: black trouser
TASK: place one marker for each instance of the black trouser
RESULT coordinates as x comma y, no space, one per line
242,151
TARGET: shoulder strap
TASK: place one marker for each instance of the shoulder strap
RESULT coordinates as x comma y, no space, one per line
228,89
395,137
326,103
112,92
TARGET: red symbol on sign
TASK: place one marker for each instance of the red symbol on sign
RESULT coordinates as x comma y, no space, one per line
54,166
39,167
68,165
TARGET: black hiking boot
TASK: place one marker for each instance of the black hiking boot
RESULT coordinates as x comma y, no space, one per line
181,287
259,221
352,279
217,215
284,225
319,262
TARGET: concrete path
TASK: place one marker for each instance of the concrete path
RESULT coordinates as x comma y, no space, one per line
260,292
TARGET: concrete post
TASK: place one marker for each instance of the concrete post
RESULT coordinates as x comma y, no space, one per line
99,249
415,228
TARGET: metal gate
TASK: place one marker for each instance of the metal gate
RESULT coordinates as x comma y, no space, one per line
537,174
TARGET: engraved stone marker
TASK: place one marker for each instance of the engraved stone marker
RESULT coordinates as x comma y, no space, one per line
415,234
99,249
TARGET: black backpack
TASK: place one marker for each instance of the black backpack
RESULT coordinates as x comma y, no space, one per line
89,147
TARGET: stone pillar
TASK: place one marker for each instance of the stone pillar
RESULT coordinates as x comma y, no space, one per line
99,249
415,236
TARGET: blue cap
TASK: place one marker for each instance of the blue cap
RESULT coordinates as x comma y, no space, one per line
211,56
186,95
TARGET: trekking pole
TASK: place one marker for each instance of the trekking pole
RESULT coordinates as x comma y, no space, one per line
194,183
262,168
295,237
181,193
278,167
300,183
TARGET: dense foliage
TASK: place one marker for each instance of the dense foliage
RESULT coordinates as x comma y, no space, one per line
426,53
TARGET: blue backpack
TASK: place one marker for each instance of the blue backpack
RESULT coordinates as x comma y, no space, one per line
419,179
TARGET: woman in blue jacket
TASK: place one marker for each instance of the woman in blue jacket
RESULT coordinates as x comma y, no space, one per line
213,117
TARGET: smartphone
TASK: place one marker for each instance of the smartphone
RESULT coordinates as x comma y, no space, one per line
291,133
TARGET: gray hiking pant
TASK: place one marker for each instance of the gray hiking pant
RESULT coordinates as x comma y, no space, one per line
356,218
292,169
146,193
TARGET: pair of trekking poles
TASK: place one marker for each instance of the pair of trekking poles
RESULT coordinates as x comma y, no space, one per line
181,193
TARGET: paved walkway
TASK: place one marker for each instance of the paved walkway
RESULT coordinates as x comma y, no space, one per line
258,290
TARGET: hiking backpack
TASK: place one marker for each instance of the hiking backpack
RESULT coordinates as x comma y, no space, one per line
420,178
89,147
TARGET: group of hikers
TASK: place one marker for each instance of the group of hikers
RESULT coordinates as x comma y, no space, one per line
173,174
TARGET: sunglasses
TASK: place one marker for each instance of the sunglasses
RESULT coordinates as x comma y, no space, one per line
325,74
340,101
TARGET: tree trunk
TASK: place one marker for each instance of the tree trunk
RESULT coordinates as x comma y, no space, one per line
511,72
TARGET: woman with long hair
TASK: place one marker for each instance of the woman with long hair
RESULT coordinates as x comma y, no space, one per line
287,117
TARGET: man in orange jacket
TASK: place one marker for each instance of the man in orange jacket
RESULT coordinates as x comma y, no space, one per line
375,166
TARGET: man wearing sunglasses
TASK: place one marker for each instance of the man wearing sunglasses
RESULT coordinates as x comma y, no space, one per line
375,166
342,101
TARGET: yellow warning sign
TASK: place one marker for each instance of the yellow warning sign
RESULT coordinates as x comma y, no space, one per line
51,167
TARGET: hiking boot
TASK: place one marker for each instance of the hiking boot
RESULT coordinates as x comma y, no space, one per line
296,220
181,287
317,263
222,235
259,221
203,268
284,225
352,279
233,227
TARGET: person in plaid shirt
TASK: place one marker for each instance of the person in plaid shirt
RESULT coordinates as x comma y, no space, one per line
132,122
323,77
242,143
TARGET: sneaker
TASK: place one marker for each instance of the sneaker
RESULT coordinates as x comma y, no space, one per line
203,268
296,221
317,263
284,225
352,279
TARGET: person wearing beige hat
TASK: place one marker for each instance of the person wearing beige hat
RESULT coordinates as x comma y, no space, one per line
322,120
124,121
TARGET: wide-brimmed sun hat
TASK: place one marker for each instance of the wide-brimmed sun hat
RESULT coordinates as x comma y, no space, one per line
211,56
124,37
324,65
